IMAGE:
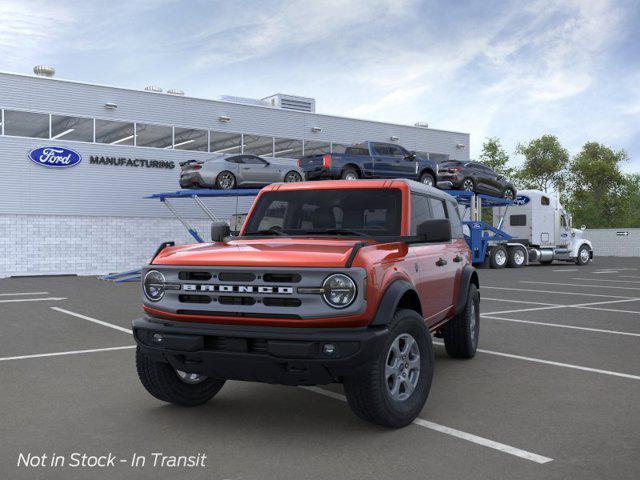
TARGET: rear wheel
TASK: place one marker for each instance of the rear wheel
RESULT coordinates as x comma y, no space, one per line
517,257
461,334
393,390
427,179
498,258
174,386
350,173
225,180
584,255
468,185
292,177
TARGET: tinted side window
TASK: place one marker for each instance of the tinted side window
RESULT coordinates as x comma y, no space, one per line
437,207
381,149
420,211
456,223
397,151
253,160
518,220
234,160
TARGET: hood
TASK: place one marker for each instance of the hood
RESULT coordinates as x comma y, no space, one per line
264,252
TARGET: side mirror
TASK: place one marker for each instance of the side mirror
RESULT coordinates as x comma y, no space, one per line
583,227
411,156
435,230
219,231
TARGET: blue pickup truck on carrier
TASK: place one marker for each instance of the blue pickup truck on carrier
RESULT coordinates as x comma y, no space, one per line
370,160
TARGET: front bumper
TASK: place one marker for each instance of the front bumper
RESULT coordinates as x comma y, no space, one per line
288,356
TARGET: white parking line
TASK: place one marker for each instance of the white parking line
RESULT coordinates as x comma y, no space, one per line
94,320
72,352
554,291
469,437
46,299
576,305
629,276
606,280
580,285
572,327
567,270
518,301
557,364
23,293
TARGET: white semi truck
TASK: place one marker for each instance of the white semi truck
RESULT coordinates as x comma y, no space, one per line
539,225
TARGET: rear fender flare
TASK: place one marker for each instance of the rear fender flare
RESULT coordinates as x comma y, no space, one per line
469,276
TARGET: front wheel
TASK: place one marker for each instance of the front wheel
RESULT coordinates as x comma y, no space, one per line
174,386
584,255
225,180
461,334
427,179
393,389
292,177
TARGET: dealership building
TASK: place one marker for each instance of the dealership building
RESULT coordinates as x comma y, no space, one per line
92,217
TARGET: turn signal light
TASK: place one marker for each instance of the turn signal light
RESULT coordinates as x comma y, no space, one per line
326,161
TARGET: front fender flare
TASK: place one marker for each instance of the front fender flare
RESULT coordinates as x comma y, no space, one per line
389,302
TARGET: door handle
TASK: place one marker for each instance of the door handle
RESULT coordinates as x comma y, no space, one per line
441,262
457,259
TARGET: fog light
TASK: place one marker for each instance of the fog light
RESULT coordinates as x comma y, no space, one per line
157,338
328,348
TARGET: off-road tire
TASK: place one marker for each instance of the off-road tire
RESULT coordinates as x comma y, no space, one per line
219,180
513,260
496,260
367,392
161,380
461,333
348,173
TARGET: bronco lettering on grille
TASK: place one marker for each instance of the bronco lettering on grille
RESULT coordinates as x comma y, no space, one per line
189,287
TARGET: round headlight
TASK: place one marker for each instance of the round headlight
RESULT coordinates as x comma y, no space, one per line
339,290
153,285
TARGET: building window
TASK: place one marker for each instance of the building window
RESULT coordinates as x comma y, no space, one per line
338,147
71,128
287,148
114,133
26,124
258,145
157,136
190,139
222,142
316,148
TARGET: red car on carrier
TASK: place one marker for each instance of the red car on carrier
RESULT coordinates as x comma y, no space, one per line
335,281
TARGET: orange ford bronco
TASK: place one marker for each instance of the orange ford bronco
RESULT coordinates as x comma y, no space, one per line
335,281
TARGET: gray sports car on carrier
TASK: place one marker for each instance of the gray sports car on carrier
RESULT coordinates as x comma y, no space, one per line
239,170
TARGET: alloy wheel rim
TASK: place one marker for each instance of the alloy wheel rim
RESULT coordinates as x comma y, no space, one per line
293,177
402,367
427,180
190,378
500,257
518,257
584,255
350,176
468,185
226,181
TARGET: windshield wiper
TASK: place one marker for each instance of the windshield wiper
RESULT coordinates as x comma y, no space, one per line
268,231
337,231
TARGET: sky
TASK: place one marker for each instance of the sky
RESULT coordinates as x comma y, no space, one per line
509,69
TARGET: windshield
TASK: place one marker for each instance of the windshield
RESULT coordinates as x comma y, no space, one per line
348,212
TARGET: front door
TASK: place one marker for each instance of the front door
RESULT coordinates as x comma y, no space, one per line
393,161
257,171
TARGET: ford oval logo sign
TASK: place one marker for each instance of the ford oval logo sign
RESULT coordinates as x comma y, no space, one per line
55,157
521,200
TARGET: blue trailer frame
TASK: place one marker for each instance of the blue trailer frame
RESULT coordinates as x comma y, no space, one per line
481,234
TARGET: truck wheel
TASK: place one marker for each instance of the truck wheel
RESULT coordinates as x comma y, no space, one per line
427,179
584,255
517,257
170,385
462,332
225,180
393,389
498,258
350,174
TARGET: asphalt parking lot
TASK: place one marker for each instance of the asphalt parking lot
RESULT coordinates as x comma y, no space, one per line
554,392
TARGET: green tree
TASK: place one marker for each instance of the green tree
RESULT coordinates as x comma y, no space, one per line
599,191
495,157
632,186
545,164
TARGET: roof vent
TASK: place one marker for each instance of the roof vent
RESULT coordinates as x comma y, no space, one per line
422,124
153,88
291,102
175,91
44,71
